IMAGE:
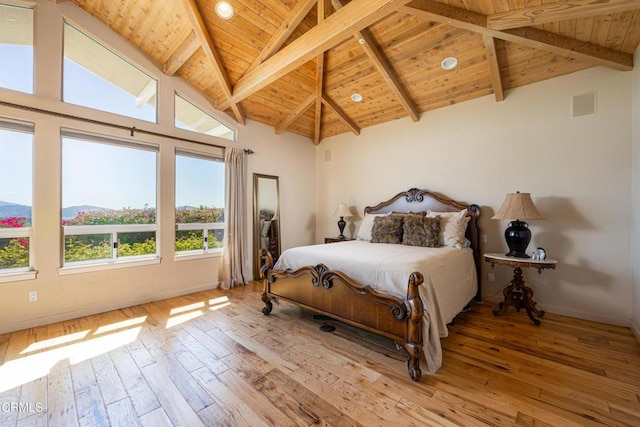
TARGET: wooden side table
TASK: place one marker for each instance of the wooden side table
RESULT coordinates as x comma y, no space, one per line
335,240
517,294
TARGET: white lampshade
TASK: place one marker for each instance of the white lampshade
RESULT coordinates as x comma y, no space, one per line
342,210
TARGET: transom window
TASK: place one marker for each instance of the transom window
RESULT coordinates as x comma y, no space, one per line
199,203
192,118
96,77
16,48
16,193
109,192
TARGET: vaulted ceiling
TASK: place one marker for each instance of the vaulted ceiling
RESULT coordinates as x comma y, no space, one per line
295,64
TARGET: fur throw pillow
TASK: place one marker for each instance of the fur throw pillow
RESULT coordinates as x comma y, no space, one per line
421,231
387,229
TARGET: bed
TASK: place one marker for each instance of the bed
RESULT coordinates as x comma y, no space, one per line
403,291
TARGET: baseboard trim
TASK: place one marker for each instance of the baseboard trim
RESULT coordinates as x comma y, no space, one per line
584,315
88,311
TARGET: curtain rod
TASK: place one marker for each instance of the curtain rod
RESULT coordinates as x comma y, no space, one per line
131,129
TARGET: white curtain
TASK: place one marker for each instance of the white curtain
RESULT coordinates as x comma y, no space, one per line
235,218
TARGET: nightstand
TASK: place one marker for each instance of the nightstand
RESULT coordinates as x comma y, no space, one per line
516,294
335,240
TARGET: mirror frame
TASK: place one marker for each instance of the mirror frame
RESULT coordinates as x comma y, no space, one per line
256,221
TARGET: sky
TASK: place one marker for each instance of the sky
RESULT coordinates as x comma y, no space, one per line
108,176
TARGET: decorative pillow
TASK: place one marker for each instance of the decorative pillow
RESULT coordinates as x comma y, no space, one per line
364,232
421,231
453,226
387,229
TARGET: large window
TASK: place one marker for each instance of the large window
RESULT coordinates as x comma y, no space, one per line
109,193
199,203
16,48
16,183
192,118
95,77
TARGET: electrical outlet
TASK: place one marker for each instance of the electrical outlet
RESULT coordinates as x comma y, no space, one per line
491,277
33,296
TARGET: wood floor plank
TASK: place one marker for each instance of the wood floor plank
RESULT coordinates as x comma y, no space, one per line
111,387
212,358
122,414
173,402
142,397
232,405
89,404
61,404
156,418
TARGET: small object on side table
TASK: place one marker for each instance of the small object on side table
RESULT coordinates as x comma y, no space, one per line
335,239
516,294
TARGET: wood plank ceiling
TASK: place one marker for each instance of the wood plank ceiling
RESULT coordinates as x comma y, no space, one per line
294,64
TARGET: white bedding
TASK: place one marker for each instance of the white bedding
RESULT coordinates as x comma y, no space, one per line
450,280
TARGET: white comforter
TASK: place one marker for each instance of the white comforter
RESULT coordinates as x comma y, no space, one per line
450,280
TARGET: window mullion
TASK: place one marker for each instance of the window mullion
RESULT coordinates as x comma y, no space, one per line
114,245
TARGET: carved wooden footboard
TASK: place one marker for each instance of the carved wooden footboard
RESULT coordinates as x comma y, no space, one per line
334,294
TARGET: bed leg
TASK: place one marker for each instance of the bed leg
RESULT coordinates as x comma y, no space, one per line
413,363
267,302
415,313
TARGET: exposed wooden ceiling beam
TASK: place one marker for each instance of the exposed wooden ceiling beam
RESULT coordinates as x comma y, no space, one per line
324,10
353,17
528,36
494,67
319,86
292,116
281,35
181,54
558,11
389,75
202,33
380,61
341,115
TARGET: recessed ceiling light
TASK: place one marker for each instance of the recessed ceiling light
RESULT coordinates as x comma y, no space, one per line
361,41
356,97
224,9
449,63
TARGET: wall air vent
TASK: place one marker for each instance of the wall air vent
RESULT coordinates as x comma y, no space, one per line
583,105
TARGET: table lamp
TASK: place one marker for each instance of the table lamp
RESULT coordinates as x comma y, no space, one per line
518,206
343,212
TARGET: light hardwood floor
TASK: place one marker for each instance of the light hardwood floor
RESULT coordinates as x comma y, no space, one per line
213,358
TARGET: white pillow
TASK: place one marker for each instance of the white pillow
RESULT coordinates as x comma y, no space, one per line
453,226
364,232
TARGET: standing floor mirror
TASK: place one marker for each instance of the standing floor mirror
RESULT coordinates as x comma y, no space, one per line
266,218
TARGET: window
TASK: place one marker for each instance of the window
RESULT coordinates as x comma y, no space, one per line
95,77
192,118
109,193
16,190
199,203
16,42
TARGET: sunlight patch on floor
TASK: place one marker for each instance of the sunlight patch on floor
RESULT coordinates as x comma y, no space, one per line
17,372
177,320
55,342
186,308
120,325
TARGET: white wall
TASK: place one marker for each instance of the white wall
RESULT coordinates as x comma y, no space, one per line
69,296
577,170
635,198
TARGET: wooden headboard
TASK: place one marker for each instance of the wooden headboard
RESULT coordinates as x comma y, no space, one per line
416,200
